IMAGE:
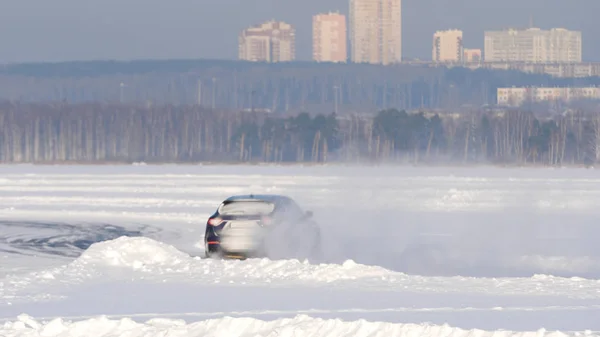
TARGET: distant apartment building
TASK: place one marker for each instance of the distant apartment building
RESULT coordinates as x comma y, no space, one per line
563,70
272,41
533,45
329,37
472,56
375,31
517,96
448,46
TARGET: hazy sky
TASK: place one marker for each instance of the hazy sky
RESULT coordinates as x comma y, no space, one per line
56,30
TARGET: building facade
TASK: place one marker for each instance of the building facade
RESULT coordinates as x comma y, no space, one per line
375,31
447,46
533,45
391,31
272,41
517,96
472,56
329,37
563,70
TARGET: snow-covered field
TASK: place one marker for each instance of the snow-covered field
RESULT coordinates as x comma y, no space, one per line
115,251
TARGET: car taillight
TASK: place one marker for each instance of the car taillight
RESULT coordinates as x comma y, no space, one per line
214,221
265,220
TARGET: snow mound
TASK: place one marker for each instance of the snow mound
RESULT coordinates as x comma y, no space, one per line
298,326
140,254
134,259
137,253
140,258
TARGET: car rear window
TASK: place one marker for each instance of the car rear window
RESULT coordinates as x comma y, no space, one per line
246,208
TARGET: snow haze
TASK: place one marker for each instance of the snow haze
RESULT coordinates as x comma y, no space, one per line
117,250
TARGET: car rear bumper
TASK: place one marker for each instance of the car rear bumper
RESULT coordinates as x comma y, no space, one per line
215,249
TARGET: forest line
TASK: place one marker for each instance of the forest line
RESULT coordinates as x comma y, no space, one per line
100,132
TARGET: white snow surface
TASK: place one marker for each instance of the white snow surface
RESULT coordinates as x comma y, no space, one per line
409,251
300,325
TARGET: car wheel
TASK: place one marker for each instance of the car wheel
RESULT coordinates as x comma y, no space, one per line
211,255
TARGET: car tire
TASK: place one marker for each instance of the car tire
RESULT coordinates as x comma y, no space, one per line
211,255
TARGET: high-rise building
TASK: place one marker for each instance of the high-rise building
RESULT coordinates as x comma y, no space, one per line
329,37
533,45
472,56
448,46
364,33
272,41
376,31
391,31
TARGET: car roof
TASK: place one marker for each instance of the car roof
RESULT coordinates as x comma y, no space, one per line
274,198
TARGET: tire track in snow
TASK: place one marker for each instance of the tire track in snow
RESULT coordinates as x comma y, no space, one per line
185,200
61,239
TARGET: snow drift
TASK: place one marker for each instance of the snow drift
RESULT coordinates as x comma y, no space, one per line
158,258
298,326
140,258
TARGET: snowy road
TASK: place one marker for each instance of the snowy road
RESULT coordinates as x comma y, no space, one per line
491,249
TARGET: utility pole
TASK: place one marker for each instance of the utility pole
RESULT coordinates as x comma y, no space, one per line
199,92
335,99
214,81
235,91
121,93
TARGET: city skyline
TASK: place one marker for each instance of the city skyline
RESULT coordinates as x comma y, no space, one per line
201,30
333,35
372,31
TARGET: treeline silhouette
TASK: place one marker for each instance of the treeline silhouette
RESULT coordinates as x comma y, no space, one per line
104,133
289,87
